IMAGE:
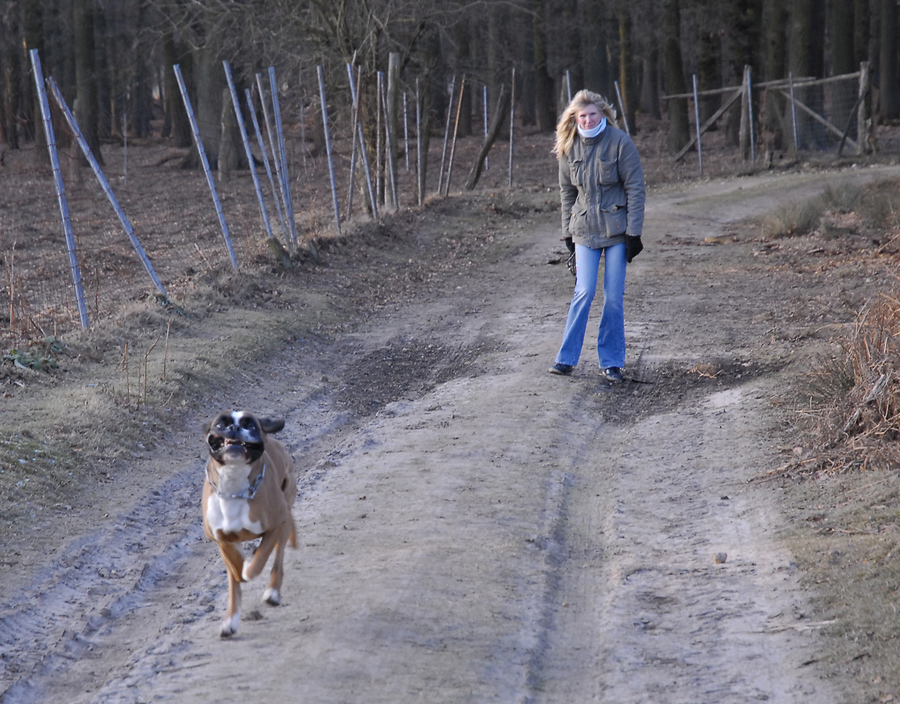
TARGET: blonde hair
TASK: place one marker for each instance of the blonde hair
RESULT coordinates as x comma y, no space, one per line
567,127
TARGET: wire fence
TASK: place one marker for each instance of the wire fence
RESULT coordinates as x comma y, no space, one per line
187,225
179,218
789,115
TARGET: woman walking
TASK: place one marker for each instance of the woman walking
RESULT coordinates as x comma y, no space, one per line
601,190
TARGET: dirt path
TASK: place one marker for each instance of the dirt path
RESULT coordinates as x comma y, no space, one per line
471,527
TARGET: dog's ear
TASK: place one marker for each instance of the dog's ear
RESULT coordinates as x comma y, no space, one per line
271,425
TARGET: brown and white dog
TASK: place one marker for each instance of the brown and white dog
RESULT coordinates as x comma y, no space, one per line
248,494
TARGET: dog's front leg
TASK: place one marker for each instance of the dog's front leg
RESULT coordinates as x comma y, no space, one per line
275,538
272,595
234,562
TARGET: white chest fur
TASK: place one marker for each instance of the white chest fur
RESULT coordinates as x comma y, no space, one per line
231,515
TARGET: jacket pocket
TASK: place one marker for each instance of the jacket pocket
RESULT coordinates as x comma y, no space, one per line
578,222
576,172
615,219
609,172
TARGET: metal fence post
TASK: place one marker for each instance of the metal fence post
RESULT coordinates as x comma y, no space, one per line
334,194
104,184
205,162
373,201
265,158
246,140
697,120
288,203
60,188
276,158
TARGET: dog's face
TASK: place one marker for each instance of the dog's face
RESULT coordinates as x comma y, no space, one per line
239,437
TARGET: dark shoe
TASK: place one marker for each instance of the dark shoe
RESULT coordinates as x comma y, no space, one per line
613,374
564,369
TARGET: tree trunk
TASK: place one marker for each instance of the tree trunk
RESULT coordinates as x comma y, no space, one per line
650,84
843,31
806,58
775,19
176,121
34,39
430,50
594,47
861,31
10,81
464,128
887,61
210,84
626,69
708,60
679,127
843,58
109,57
744,23
527,100
497,123
572,60
140,107
86,107
496,66
543,84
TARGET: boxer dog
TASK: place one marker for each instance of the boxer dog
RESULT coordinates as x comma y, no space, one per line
248,494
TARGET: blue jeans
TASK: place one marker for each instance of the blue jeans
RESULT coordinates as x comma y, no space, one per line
611,338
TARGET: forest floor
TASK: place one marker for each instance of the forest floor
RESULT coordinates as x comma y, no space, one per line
470,527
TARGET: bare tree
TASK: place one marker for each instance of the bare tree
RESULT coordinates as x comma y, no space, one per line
743,29
543,83
86,106
34,39
10,78
806,58
627,80
887,61
594,46
679,127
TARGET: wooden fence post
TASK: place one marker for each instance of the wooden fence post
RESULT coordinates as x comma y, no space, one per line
743,138
697,121
512,124
863,122
749,71
446,135
462,88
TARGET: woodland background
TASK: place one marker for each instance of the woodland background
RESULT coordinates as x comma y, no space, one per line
113,62
113,58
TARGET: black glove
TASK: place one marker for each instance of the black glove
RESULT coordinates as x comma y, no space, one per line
570,245
633,246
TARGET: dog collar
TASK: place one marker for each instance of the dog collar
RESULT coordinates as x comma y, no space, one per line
249,493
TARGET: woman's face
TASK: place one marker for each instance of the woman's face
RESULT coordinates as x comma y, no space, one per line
588,117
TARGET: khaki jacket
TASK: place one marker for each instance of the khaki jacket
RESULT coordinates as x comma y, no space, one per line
601,189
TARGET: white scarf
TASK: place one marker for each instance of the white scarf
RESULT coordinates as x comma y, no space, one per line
590,134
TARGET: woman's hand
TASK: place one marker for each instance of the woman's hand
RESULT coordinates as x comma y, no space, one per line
633,246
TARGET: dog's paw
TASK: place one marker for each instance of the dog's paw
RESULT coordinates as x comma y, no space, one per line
272,597
230,626
245,572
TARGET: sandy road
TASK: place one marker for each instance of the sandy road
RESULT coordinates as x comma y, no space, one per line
487,532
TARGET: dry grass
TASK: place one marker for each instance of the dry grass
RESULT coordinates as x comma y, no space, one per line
852,406
794,218
875,207
850,413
